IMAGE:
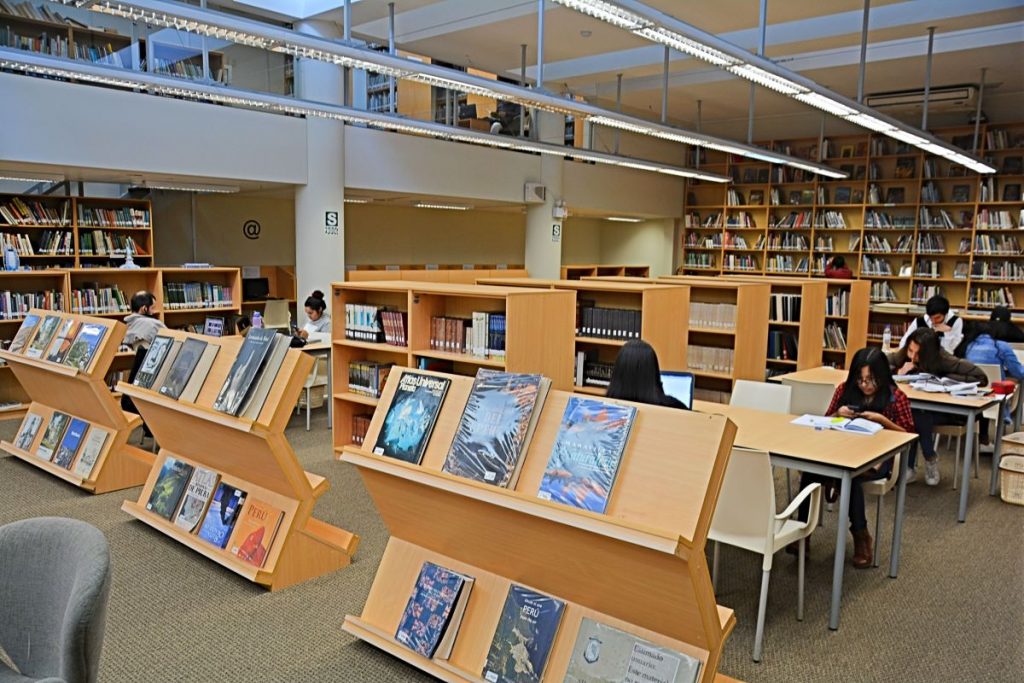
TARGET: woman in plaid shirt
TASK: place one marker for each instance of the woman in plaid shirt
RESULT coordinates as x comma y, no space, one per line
869,392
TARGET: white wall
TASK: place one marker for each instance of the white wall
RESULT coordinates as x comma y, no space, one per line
595,240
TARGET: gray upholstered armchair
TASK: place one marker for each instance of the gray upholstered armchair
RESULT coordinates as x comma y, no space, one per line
54,582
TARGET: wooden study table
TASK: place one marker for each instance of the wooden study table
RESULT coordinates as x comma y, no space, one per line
827,452
324,349
969,407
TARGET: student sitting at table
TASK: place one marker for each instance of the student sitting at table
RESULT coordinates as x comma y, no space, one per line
947,325
870,393
1003,328
637,376
981,346
922,353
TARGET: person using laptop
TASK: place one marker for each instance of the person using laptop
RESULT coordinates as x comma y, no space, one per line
637,376
318,323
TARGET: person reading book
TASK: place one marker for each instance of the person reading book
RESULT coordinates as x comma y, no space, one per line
637,376
869,393
837,268
922,353
980,346
318,325
1002,327
938,317
143,325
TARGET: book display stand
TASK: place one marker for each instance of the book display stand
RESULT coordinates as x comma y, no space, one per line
640,567
252,455
83,394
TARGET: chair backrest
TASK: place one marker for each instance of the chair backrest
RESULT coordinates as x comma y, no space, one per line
1019,352
809,398
318,375
54,584
880,487
746,504
993,371
771,398
276,314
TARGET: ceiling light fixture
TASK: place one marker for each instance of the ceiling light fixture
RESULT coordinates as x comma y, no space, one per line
624,219
357,200
183,17
445,207
31,177
202,188
648,22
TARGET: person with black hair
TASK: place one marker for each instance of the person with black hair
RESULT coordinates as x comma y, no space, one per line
923,354
1002,327
981,347
143,325
870,393
637,376
837,268
938,317
318,325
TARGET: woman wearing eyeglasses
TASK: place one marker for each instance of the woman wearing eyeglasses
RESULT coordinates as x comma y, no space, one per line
869,392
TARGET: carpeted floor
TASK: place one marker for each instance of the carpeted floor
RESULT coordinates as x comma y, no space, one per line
956,613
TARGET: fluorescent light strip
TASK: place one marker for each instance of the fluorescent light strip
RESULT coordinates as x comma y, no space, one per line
660,27
190,187
35,63
624,219
237,29
28,177
444,207
357,200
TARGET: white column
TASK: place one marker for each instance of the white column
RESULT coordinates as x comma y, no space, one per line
543,231
319,204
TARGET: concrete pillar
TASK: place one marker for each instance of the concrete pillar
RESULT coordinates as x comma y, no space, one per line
319,204
543,231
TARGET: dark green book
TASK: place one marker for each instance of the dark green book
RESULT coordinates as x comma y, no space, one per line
182,368
169,486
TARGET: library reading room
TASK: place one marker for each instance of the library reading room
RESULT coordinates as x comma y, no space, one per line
511,341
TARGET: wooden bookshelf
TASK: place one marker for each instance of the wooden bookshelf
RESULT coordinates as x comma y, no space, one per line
83,394
253,455
465,274
664,311
576,272
654,580
228,278
281,283
531,315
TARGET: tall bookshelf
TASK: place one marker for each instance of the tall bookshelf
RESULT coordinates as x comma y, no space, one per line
653,580
886,219
531,315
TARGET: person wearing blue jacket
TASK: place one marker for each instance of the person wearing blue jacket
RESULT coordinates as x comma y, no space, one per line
981,347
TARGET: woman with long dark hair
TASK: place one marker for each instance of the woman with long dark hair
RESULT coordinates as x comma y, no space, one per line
637,376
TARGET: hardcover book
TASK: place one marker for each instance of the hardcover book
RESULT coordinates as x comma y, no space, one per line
180,372
604,654
244,370
255,532
587,453
495,426
152,362
434,612
51,437
410,420
195,383
71,442
91,451
85,345
526,630
62,340
197,496
28,326
27,433
169,486
253,404
220,518
37,347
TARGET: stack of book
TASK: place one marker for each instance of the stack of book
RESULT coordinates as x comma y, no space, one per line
95,298
367,378
835,338
608,323
183,295
713,315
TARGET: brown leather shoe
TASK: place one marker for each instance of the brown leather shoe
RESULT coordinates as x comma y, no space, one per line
862,549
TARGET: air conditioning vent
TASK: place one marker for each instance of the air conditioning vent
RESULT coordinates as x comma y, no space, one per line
941,98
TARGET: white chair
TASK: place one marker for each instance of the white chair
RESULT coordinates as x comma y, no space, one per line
745,518
317,378
771,398
809,398
880,487
276,315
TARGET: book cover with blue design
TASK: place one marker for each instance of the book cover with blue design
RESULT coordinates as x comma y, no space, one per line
169,487
604,654
25,332
71,442
84,347
222,514
434,611
495,426
522,642
587,453
411,417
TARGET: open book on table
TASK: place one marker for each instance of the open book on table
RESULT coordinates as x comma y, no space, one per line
857,425
940,385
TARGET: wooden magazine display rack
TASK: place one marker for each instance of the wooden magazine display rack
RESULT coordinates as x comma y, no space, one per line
253,455
53,387
640,567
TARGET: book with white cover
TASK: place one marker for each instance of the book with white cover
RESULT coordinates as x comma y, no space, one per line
857,425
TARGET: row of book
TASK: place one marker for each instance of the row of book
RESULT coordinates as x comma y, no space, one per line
992,244
99,299
178,295
882,291
375,324
482,335
709,358
526,630
367,378
835,337
991,297
882,220
17,211
742,219
741,262
920,293
27,10
120,217
943,219
360,427
781,345
784,263
60,340
788,241
719,316
99,243
16,305
997,270
607,323
56,243
896,329
699,261
784,308
68,442
56,45
879,244
989,219
198,502
838,302
591,372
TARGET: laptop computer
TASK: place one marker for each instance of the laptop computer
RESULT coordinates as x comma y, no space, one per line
678,385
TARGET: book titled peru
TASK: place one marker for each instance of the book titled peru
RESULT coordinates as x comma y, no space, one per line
411,416
223,513
71,442
197,496
25,332
496,426
604,654
169,486
587,453
51,437
244,370
434,612
522,642
152,362
85,345
255,532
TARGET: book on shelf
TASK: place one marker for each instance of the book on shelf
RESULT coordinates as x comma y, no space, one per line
70,443
835,337
61,344
433,614
244,370
857,425
709,358
360,427
481,335
28,430
496,426
153,362
186,295
85,345
712,315
16,305
181,370
991,297
609,323
367,377
169,486
52,436
522,641
41,341
594,372
257,398
119,217
196,498
255,531
222,514
587,452
603,653
20,211
782,345
784,308
95,298
91,450
409,422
